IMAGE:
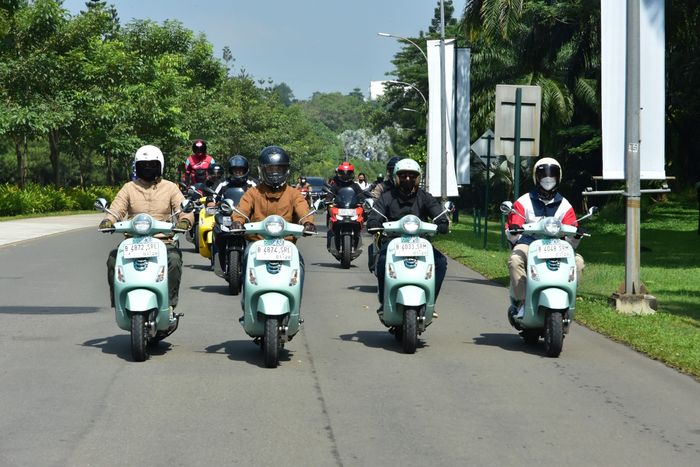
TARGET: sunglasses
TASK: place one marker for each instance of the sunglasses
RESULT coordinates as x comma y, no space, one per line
408,175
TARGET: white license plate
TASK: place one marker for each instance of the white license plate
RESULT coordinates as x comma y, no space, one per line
210,211
274,250
411,247
140,250
553,249
346,212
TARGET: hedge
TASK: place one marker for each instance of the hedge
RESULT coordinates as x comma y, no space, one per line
34,199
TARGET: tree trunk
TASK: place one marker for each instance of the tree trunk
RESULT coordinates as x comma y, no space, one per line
54,156
110,171
21,164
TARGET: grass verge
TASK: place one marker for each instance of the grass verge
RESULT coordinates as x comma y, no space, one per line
669,269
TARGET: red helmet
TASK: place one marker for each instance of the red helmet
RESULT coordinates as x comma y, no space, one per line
346,172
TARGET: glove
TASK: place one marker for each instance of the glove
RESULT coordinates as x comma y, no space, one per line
183,224
443,228
309,228
106,224
236,226
514,227
580,231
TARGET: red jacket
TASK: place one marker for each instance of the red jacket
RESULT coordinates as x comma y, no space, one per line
193,163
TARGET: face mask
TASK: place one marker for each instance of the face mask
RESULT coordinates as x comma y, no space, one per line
407,185
548,183
147,173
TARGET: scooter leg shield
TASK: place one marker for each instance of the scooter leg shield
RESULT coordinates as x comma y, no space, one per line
411,295
554,299
141,300
273,304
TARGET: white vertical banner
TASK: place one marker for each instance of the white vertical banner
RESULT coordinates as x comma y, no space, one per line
462,115
434,165
652,117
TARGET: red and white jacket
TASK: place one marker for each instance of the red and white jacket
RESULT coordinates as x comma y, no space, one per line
193,163
533,209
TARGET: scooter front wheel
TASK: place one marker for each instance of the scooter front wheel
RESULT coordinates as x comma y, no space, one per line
234,272
409,332
271,345
553,334
139,338
346,254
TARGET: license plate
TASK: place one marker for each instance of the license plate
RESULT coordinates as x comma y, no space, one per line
552,249
140,250
346,212
210,211
273,250
411,246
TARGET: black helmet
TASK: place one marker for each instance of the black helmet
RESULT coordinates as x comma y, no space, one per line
391,163
199,147
215,171
236,164
273,166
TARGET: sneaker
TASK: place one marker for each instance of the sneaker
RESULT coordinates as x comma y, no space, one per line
380,314
435,315
520,313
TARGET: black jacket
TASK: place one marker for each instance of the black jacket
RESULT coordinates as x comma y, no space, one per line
394,205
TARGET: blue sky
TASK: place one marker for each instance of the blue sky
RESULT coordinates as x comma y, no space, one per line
312,45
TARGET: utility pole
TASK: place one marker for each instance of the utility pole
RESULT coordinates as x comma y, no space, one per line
443,108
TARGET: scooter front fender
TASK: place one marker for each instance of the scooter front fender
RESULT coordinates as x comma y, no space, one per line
139,300
411,295
273,304
554,299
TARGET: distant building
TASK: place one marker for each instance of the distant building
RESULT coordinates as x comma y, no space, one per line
376,89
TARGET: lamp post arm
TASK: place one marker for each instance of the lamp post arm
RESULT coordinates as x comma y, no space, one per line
425,101
386,34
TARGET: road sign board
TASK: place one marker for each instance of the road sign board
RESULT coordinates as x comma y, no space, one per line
530,111
481,145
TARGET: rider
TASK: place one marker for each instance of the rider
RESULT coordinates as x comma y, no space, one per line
388,183
199,159
215,173
153,195
542,201
238,171
406,197
344,177
362,181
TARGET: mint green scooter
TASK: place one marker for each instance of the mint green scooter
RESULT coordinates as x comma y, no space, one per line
409,276
141,280
550,295
272,289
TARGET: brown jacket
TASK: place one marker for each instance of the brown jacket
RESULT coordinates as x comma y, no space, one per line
158,199
261,201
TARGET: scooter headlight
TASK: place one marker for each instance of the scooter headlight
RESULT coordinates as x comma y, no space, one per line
274,225
410,224
142,224
552,226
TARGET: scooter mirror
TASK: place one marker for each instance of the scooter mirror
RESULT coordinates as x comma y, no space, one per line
187,205
368,204
101,204
319,205
506,207
226,206
449,206
593,210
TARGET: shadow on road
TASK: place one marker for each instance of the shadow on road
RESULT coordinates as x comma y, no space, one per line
120,345
201,267
220,289
490,282
364,288
510,342
378,340
246,351
48,310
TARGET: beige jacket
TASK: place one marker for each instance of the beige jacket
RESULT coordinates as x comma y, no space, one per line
158,199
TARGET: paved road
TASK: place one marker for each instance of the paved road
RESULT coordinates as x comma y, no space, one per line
344,394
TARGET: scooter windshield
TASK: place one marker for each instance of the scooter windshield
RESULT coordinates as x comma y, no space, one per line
346,198
234,194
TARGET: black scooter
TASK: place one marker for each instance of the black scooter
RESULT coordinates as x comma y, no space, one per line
232,241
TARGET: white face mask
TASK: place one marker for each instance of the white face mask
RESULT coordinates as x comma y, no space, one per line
548,183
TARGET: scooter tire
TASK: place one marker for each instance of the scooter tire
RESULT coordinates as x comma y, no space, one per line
553,334
346,255
139,338
196,239
409,331
234,272
271,347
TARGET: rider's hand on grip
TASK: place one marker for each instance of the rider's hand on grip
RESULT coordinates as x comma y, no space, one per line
309,228
236,226
183,225
580,232
515,228
106,224
443,228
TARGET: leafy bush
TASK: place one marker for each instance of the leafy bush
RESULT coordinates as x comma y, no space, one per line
34,199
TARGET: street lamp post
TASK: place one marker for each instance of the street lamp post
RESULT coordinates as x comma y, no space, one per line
386,34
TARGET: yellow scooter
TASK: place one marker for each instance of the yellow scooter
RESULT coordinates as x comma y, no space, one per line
205,229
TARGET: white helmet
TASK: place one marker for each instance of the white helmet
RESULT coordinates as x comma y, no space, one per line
149,153
546,175
407,165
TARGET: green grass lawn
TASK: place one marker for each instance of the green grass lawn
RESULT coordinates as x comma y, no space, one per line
44,214
670,270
